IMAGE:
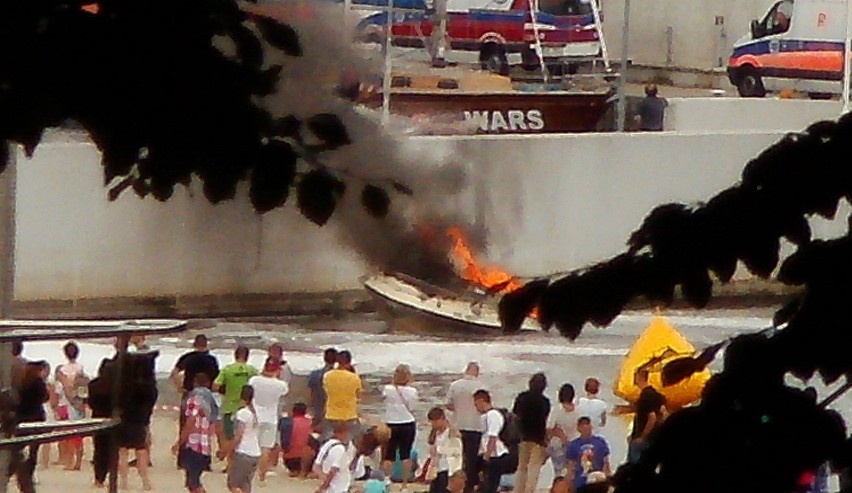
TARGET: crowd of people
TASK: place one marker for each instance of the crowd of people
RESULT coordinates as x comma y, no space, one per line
243,416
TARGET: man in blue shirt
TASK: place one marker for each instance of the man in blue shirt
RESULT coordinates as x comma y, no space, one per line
587,454
315,388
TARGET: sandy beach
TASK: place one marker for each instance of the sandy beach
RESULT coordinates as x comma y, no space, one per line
165,477
507,362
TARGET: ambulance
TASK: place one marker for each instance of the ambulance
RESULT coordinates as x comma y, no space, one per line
797,44
497,32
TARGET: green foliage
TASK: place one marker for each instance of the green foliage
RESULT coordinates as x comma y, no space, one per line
163,104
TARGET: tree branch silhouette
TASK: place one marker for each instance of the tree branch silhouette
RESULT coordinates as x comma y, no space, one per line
164,104
751,432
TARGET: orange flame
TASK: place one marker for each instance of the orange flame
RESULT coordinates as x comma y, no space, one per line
490,278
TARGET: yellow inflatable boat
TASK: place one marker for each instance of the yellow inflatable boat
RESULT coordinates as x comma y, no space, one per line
659,344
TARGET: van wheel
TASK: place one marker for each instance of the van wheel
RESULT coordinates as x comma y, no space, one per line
529,60
820,95
492,57
750,85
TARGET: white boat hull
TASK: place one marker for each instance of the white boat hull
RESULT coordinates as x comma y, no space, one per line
413,308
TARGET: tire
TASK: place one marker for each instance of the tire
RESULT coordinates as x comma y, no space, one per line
749,83
492,57
822,96
529,60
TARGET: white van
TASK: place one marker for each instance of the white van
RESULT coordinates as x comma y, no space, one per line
798,44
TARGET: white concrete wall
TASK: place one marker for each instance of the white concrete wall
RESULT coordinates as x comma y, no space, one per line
72,243
548,204
746,114
695,35
580,199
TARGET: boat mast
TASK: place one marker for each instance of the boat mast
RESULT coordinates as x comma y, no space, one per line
596,12
622,79
386,80
538,51
440,35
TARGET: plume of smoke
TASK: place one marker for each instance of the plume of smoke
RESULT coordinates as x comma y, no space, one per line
375,155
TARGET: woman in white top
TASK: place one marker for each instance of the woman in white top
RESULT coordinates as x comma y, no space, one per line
561,428
398,398
591,406
244,448
445,451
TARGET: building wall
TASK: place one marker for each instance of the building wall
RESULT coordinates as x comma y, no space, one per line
72,243
696,39
547,204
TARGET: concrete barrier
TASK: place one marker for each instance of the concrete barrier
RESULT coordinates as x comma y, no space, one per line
548,204
72,243
747,114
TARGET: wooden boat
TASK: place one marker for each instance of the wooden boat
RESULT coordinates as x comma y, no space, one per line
411,305
490,103
656,346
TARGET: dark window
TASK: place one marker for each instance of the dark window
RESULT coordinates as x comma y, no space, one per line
778,19
565,7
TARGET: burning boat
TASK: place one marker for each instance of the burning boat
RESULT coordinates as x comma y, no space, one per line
413,305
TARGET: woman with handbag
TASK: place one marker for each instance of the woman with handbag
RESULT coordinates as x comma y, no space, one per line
398,415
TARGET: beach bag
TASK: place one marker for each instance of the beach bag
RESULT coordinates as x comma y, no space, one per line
509,434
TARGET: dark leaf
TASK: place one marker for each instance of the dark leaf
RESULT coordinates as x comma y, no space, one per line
162,187
279,35
402,188
272,176
724,268
798,231
680,369
698,288
709,353
218,189
329,129
376,201
786,312
249,48
114,192
31,142
268,80
514,307
141,188
287,126
4,155
317,194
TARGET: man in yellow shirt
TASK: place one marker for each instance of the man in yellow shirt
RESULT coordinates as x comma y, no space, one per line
342,388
